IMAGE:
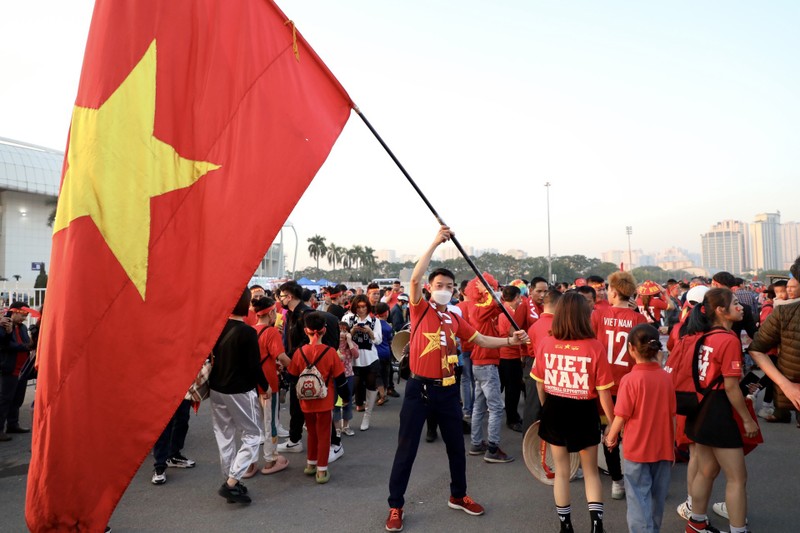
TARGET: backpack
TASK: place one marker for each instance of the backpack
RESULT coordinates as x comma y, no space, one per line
310,384
682,366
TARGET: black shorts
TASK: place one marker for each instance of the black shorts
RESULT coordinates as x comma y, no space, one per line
574,424
713,423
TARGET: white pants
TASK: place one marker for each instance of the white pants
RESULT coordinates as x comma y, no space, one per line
270,409
232,413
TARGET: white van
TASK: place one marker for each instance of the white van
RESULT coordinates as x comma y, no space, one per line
386,283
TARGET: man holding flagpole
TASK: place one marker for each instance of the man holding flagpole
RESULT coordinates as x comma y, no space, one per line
432,387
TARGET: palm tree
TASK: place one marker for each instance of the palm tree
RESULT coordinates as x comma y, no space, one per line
368,260
334,254
351,256
358,255
317,248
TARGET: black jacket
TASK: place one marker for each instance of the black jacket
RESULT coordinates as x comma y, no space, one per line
237,360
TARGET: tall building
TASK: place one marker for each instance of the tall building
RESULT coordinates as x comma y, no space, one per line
517,254
390,256
790,243
637,258
724,247
765,242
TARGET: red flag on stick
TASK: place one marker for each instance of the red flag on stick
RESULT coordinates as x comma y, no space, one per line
187,111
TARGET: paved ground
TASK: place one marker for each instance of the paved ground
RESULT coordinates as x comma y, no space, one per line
355,499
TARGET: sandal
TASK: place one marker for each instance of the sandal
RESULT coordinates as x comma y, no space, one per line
310,470
382,400
279,464
323,476
251,471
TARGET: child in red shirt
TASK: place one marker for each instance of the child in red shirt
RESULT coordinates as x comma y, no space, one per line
645,406
318,411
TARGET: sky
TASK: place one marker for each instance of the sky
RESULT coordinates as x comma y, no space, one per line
668,117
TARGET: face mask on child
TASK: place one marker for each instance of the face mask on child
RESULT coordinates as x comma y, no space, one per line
441,297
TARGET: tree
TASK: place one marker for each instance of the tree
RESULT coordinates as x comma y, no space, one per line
335,255
40,283
317,248
51,218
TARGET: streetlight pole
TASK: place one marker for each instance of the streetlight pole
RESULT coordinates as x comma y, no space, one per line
629,230
549,256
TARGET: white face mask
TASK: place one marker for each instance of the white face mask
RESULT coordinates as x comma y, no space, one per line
441,297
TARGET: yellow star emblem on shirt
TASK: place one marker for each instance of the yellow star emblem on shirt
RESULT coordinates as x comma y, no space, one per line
116,165
434,342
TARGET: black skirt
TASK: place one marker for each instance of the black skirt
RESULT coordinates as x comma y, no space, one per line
574,424
713,423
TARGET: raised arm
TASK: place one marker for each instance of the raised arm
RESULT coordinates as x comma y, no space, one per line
415,290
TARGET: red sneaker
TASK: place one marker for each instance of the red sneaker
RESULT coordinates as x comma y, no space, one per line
395,520
466,504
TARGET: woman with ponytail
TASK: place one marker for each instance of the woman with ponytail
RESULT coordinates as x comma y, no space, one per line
712,427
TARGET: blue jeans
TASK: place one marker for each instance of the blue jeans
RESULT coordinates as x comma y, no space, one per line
487,397
646,486
467,384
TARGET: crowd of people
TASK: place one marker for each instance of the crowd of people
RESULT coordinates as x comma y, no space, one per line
596,363
646,373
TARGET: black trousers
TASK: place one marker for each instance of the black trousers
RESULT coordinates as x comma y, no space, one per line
418,400
510,371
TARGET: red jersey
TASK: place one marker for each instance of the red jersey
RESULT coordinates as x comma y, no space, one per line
653,310
612,326
646,400
538,331
270,344
572,369
465,307
433,340
329,366
483,316
251,319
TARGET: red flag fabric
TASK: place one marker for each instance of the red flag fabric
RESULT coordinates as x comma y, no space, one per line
197,126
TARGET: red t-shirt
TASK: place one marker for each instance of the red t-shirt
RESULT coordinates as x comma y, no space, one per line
538,331
646,400
483,317
602,305
251,319
612,326
504,329
466,307
653,311
572,369
534,310
719,354
433,338
270,344
329,366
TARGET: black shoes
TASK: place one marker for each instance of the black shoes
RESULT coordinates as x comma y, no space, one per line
18,429
235,494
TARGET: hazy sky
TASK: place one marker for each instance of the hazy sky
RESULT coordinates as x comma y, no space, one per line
667,117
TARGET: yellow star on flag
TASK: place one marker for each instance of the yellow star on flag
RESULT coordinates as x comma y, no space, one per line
116,166
434,341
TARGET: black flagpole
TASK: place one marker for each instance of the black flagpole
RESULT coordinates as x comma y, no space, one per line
438,218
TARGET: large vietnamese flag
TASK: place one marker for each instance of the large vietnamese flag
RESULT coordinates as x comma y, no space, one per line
197,126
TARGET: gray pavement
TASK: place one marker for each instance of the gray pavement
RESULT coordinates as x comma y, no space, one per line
355,499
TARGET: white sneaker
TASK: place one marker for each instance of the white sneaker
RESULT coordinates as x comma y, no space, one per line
618,490
335,453
766,411
159,476
579,473
348,431
283,432
290,447
721,509
684,511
